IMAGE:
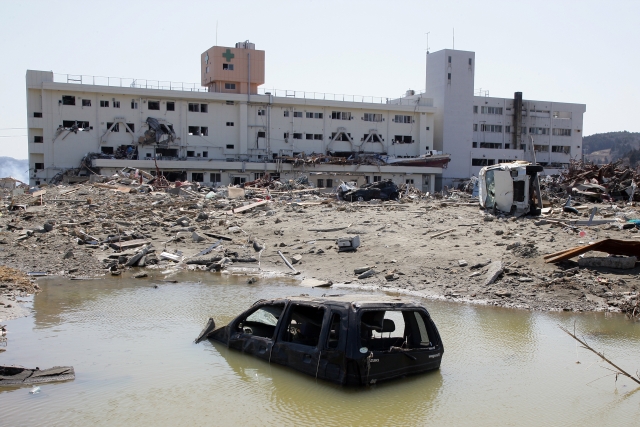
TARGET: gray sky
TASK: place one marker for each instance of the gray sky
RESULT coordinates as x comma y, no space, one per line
564,51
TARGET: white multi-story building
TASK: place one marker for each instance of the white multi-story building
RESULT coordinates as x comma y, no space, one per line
228,131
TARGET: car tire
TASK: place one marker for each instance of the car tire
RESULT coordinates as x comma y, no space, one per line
360,199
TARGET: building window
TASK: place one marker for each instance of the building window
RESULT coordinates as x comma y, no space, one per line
230,86
215,177
229,123
115,128
194,130
340,115
239,180
262,134
377,178
154,105
474,144
87,103
562,132
205,154
565,149
106,150
297,136
286,113
38,166
309,115
68,100
539,131
475,109
37,114
230,103
69,124
38,139
449,76
317,137
370,117
286,135
507,129
194,108
475,127
491,110
207,70
507,146
204,108
171,106
541,148
116,104
449,60
262,112
191,153
102,103
341,137
134,105
402,119
230,146
562,115
482,162
297,114
329,183
402,139
490,128
494,145
227,67
131,126
320,183
309,136
258,175
505,161
469,61
197,176
408,181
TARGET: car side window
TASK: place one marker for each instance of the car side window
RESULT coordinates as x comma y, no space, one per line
303,325
262,322
334,331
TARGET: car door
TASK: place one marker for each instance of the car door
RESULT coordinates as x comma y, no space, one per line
332,365
254,331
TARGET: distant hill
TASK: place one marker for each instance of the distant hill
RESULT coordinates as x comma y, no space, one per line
16,168
610,146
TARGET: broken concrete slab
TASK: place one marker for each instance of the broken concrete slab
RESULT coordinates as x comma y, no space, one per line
296,258
315,283
367,274
361,270
196,237
622,263
495,269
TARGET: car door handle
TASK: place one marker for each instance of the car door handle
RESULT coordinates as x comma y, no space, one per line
307,358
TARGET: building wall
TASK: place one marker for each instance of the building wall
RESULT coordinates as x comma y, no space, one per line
227,128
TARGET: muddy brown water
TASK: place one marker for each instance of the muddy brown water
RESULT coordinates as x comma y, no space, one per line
132,348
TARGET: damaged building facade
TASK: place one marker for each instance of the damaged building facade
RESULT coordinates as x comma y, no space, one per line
227,130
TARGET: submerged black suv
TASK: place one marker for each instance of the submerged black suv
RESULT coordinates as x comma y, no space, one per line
383,190
355,339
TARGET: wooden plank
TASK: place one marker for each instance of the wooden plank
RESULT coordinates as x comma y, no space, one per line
246,208
443,232
128,244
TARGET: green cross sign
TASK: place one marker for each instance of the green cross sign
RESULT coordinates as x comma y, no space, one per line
228,55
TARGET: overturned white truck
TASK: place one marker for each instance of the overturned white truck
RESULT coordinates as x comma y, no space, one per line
511,187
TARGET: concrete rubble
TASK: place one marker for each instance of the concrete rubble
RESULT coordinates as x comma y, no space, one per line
435,245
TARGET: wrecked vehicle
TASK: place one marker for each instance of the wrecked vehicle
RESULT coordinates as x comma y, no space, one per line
18,375
383,190
513,188
347,339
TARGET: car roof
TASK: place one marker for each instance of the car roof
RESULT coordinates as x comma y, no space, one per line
357,300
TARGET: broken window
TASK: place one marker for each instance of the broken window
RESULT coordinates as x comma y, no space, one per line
205,154
115,128
409,181
68,100
320,183
204,108
197,176
38,139
106,150
566,149
377,178
191,153
374,137
341,137
402,139
262,112
134,105
491,110
229,123
334,326
402,119
239,180
154,105
370,117
258,175
562,115
71,124
490,128
261,322
230,86
87,103
230,103
309,136
194,130
329,183
194,108
215,177
286,135
539,131
37,114
104,103
562,132
482,162
297,136
317,136
38,166
227,67
495,145
116,104
230,146
262,134
340,115
131,126
171,106
204,130
303,325
286,113
297,114
541,148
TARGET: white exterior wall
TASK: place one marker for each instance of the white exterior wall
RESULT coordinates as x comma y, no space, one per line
223,144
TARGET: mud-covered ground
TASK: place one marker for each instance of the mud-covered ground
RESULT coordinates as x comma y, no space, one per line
68,237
